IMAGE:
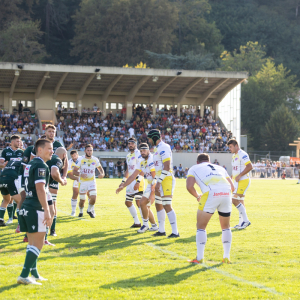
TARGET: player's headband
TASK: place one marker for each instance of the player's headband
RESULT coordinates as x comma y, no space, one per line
131,141
144,147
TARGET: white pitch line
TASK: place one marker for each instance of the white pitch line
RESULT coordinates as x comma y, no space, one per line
255,284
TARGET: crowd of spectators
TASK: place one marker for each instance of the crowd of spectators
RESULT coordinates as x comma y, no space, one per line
188,132
18,122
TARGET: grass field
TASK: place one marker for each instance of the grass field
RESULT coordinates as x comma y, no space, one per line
103,259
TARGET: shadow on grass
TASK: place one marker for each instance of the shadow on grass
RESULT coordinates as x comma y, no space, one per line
9,287
168,277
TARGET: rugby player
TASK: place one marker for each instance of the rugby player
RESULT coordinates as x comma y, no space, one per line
13,152
50,133
72,163
216,187
55,165
34,215
136,188
241,166
164,189
145,166
85,169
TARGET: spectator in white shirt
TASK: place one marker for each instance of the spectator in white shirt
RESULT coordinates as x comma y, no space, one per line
95,107
131,131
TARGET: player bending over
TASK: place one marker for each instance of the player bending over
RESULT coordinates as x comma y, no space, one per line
145,166
241,167
136,188
85,169
216,187
34,214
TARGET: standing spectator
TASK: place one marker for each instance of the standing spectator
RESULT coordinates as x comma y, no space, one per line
104,166
59,108
111,169
119,166
20,107
95,108
131,132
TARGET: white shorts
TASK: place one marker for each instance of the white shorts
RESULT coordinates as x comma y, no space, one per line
75,184
87,186
167,186
147,191
216,199
241,187
130,188
18,183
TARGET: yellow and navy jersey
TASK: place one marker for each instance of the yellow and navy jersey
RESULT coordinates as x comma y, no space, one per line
162,153
146,166
239,162
210,177
71,165
132,161
87,167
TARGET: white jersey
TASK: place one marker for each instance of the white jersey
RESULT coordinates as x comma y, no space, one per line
162,153
210,177
132,161
87,167
71,165
146,166
239,162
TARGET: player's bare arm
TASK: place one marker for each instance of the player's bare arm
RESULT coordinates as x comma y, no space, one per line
72,176
231,183
101,171
3,163
248,168
65,168
56,176
130,179
190,182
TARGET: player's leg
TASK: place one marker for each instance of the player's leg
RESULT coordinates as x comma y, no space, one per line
129,204
154,226
168,186
161,215
74,197
31,221
53,191
10,210
145,213
4,204
92,201
138,197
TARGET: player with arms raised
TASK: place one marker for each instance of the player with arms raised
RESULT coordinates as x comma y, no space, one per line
241,167
85,169
136,188
145,166
164,189
216,187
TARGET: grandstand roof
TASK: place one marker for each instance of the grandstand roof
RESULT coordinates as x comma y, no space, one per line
131,82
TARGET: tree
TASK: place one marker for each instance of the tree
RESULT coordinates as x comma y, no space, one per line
271,87
113,32
250,58
189,61
20,43
193,31
281,129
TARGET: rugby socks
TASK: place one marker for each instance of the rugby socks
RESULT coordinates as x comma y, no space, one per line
133,212
81,209
53,224
173,221
242,210
146,222
32,255
10,208
15,207
73,204
33,270
161,217
91,208
2,212
201,239
226,240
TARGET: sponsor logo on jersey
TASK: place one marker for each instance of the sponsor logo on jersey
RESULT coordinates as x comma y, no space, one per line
220,194
162,152
25,159
9,154
132,157
236,158
245,156
26,171
93,163
42,172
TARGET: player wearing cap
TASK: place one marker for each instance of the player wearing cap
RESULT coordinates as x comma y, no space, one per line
136,188
241,167
145,166
216,187
164,189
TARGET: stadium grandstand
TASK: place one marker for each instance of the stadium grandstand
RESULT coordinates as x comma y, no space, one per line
196,111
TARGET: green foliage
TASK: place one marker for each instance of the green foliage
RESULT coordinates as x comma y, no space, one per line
189,61
19,43
271,87
281,129
117,32
248,58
